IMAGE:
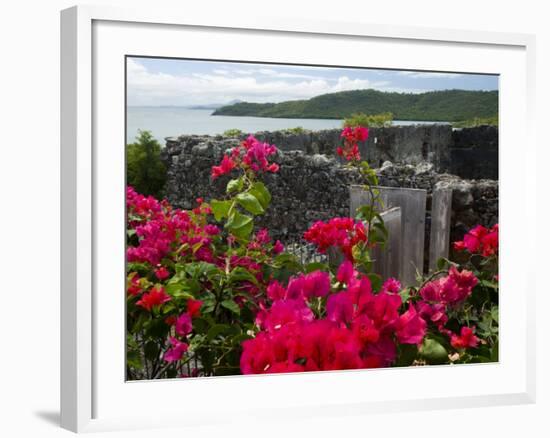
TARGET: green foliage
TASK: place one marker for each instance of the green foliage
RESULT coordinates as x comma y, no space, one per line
233,133
296,130
445,105
382,120
477,121
145,170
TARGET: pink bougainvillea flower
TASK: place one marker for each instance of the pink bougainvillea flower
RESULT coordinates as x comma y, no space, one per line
466,339
391,285
162,273
262,236
411,328
450,290
345,272
275,291
351,136
435,313
225,167
479,240
183,324
341,232
384,350
383,309
194,307
211,230
134,288
361,133
155,297
278,247
283,312
340,308
314,284
465,281
317,284
177,351
253,154
365,330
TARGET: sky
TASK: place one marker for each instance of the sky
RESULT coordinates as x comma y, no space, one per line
158,82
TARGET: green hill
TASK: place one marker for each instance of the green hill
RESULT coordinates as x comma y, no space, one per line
446,105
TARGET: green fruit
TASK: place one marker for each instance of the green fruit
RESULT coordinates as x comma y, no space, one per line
433,352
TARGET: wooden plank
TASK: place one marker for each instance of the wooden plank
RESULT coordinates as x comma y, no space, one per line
440,231
413,217
387,261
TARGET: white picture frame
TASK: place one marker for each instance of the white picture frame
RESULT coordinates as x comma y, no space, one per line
92,172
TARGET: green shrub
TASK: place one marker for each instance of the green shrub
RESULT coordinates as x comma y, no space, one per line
144,169
233,133
296,130
382,120
477,121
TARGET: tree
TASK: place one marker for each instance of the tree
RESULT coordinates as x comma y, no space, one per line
144,169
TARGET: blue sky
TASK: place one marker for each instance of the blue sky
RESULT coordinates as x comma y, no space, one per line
155,82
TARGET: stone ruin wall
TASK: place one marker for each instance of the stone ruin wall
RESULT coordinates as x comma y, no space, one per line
312,185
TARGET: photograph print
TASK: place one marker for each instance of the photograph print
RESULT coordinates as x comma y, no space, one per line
298,218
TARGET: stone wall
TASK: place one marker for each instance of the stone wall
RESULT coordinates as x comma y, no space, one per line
312,187
469,153
474,153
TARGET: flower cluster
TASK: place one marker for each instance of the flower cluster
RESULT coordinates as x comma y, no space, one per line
183,326
341,232
261,239
223,296
361,329
445,293
249,154
351,136
479,240
161,230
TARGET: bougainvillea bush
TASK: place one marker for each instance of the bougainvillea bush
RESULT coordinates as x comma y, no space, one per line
210,294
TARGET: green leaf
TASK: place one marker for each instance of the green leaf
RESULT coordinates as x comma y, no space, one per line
241,274
489,284
260,192
220,208
240,224
405,294
494,313
231,305
381,227
433,352
151,351
240,338
196,269
235,185
407,354
133,360
178,289
200,325
365,212
316,266
216,330
444,263
375,280
250,203
288,261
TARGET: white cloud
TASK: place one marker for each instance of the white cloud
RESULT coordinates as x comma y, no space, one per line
223,85
429,74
